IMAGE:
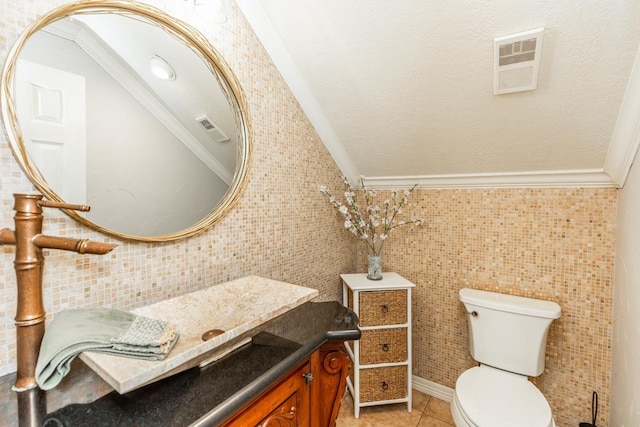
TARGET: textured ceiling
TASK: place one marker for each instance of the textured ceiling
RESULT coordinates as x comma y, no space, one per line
404,89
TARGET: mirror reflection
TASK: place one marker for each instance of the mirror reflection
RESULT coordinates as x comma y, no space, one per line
115,111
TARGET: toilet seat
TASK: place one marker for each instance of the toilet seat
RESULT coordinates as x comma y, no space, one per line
489,397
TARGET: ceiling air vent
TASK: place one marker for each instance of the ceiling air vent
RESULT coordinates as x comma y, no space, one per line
516,61
212,128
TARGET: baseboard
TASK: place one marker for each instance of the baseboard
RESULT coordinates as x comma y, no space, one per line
432,389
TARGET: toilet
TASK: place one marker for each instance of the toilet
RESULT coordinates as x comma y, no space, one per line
508,337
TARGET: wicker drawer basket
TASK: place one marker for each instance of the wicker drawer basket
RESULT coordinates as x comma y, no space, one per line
383,346
383,383
383,308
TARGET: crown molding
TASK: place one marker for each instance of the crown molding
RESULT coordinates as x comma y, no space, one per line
593,178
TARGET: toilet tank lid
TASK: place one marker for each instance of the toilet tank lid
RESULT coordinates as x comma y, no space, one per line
510,303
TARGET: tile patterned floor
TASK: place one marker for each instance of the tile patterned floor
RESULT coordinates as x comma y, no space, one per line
427,412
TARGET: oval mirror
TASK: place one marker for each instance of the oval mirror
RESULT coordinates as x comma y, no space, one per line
119,106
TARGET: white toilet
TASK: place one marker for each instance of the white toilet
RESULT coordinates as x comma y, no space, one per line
508,336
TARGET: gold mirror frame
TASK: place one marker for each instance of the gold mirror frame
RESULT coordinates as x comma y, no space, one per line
193,40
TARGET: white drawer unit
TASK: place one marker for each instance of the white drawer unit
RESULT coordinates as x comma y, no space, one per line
380,371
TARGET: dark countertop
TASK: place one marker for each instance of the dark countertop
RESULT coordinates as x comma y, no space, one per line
207,396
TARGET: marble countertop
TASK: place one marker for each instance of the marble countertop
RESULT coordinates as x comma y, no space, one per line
209,395
237,310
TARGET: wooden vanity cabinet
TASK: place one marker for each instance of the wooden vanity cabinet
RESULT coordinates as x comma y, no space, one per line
286,404
308,396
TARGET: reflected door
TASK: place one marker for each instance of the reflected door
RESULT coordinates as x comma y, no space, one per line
51,106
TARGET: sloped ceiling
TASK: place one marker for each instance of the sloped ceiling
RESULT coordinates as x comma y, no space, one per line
402,91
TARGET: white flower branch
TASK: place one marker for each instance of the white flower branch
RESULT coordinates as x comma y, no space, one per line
372,224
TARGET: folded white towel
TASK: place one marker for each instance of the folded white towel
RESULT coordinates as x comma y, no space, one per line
102,330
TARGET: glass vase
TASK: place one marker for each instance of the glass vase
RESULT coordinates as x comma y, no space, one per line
374,267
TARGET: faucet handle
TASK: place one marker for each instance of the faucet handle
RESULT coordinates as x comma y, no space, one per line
52,204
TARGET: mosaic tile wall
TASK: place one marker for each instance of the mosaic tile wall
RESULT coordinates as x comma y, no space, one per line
282,228
554,244
546,243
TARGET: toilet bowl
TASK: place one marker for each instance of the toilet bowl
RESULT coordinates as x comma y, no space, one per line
507,336
488,397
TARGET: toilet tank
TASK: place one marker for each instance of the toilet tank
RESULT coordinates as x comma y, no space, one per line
508,332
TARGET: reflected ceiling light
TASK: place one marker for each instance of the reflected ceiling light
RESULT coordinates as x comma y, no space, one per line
161,68
212,11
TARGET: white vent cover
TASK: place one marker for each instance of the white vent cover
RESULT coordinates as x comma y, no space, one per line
516,61
213,129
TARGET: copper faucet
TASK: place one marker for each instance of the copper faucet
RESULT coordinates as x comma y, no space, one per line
30,313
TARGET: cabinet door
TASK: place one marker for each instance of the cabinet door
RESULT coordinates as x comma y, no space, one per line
331,367
286,404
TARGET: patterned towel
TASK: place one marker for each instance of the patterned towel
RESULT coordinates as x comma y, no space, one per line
103,330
